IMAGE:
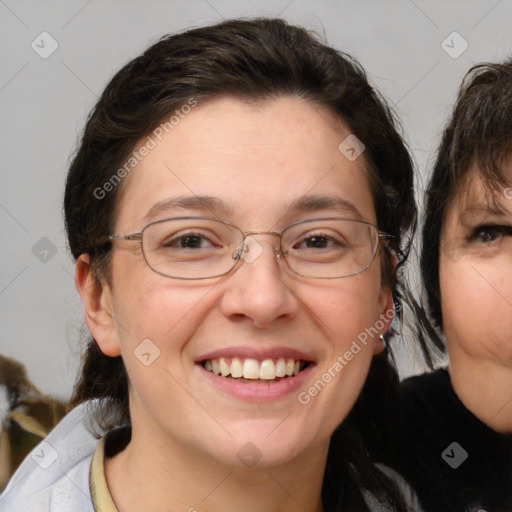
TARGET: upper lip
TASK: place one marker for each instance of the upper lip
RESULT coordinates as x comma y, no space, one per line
256,353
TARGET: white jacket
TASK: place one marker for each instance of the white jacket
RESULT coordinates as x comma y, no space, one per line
54,477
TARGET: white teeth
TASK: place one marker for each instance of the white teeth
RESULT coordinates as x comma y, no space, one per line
252,369
267,370
236,368
280,367
224,368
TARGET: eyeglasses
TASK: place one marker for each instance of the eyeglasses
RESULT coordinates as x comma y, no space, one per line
204,248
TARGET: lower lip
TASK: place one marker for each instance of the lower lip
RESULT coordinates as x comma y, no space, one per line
258,392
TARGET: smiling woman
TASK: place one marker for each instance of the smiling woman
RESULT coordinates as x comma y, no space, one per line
257,245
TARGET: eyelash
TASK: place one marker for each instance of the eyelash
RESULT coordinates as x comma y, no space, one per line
495,229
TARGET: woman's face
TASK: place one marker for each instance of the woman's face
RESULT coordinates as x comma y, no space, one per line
257,162
476,299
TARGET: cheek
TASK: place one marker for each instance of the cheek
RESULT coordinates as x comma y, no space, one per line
349,315
476,304
156,320
459,305
351,312
346,316
148,306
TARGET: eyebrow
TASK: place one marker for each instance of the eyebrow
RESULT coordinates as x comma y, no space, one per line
313,203
216,206
486,209
204,204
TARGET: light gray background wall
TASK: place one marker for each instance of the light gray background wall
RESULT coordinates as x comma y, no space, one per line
44,102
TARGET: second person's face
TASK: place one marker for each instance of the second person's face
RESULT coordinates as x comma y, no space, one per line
476,298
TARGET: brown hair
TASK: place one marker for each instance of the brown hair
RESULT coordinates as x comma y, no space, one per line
255,60
478,132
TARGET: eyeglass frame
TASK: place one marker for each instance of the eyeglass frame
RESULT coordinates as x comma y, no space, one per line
138,237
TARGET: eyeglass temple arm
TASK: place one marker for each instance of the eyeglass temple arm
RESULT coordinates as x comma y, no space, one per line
132,236
385,237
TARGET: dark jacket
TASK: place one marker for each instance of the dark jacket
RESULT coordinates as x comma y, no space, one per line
453,460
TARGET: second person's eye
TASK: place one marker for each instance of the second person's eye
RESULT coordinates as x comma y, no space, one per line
490,233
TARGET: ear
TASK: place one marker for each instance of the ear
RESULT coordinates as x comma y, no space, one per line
386,317
386,308
97,301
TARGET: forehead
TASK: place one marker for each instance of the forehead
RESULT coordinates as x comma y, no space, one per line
476,200
479,189
258,159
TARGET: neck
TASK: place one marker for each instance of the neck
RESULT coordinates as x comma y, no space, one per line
154,473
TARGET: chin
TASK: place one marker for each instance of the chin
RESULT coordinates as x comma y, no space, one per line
257,449
504,426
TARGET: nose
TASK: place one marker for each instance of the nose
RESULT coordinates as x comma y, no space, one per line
259,290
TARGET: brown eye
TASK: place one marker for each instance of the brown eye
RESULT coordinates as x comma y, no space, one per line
316,242
185,242
189,240
320,240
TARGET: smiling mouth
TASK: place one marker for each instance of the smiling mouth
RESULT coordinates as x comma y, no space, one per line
254,371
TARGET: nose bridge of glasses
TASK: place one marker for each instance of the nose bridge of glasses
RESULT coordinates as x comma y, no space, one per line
248,234
250,244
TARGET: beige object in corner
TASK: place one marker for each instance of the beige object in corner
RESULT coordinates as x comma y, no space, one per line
26,416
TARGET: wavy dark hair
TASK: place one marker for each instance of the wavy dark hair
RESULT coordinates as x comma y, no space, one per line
255,60
479,132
